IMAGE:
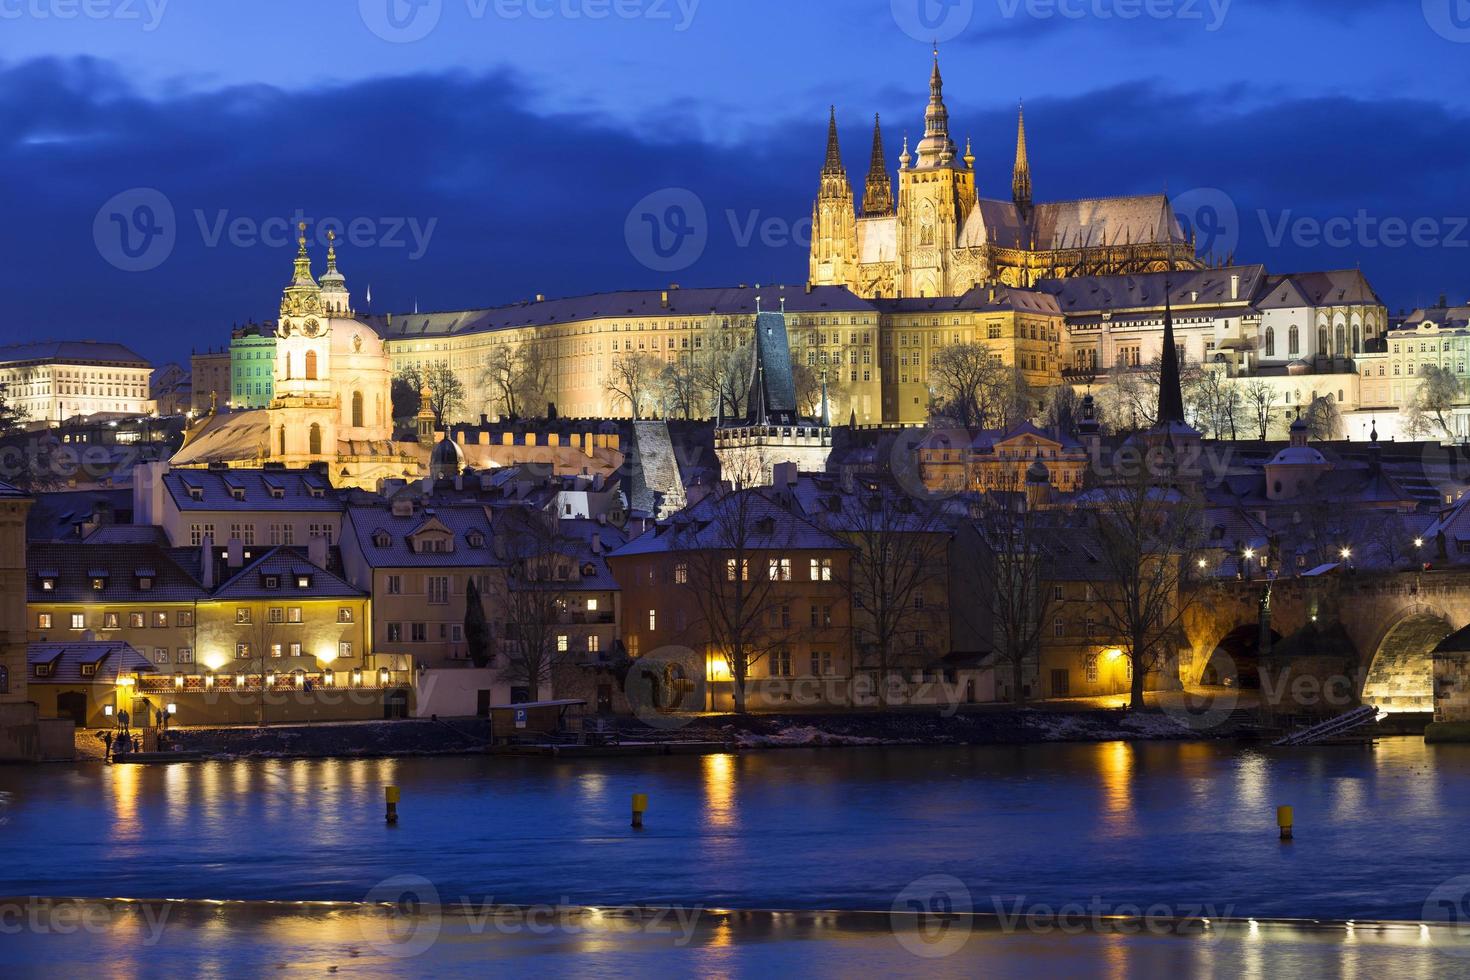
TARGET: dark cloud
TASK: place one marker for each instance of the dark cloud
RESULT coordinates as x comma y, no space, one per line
526,203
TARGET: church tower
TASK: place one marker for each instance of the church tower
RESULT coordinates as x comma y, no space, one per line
936,193
1021,175
878,199
303,415
336,301
834,260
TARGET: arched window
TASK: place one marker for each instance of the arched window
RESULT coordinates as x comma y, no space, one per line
1357,339
1322,340
1341,348
1270,341
311,365
357,409
1293,340
316,439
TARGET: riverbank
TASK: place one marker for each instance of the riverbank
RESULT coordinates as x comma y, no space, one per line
462,736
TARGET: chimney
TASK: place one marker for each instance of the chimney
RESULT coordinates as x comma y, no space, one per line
206,562
316,551
235,553
1235,286
783,475
596,543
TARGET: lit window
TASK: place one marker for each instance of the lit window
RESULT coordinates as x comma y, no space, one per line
563,643
652,620
242,617
592,605
43,621
344,615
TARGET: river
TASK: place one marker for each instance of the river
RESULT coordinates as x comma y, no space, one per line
1017,834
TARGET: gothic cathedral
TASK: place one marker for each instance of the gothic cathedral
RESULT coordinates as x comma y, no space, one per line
942,238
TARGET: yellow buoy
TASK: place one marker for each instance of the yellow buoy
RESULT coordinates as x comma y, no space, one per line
392,795
1284,817
640,804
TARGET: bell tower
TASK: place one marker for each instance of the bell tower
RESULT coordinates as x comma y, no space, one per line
304,412
834,258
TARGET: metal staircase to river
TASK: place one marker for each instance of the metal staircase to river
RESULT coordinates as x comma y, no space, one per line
1332,727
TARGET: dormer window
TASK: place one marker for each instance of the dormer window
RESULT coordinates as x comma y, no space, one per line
48,585
43,670
196,493
88,670
316,492
476,539
99,582
381,539
278,493
273,581
303,581
145,583
237,493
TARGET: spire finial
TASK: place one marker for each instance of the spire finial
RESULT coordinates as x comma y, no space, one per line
1021,174
301,239
834,150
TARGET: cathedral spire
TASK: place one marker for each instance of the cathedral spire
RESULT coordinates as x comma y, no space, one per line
936,149
879,196
1021,176
833,165
1171,398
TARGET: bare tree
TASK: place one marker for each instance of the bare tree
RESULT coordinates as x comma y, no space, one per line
633,380
971,385
1014,565
541,566
1427,412
1216,403
898,571
731,551
678,389
723,376
1130,399
1323,419
446,391
1146,529
1260,400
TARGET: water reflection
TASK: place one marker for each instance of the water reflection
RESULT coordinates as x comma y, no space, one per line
1115,768
795,829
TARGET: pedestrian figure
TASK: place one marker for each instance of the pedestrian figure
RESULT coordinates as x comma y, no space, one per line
107,746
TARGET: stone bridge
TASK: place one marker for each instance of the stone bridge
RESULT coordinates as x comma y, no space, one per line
1377,628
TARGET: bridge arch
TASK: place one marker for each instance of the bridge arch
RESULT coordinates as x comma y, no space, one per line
1400,674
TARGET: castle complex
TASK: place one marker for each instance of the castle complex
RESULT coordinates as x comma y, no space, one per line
943,237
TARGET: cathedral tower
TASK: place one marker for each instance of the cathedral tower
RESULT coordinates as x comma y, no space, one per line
1021,175
834,260
935,196
878,200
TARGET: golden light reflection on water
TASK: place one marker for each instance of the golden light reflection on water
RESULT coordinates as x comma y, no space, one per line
1115,767
719,791
1251,779
126,824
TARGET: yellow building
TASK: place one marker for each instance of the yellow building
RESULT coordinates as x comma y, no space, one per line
944,236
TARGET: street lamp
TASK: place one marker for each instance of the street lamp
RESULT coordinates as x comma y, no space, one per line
1346,553
1418,542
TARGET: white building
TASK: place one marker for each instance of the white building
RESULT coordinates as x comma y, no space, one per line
55,380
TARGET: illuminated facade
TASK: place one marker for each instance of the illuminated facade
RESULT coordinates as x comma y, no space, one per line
942,237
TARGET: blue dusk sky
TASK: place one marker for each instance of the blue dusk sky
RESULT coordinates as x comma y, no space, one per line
477,152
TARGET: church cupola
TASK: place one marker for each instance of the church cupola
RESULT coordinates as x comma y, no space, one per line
335,298
878,200
1021,175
